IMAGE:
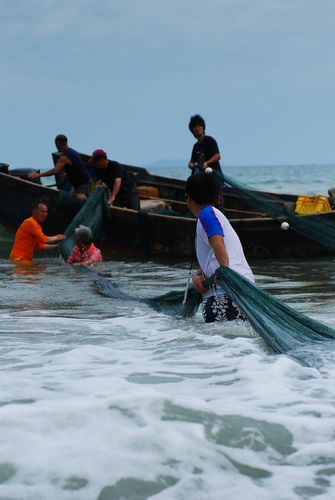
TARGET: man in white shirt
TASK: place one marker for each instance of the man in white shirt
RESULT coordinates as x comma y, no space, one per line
217,244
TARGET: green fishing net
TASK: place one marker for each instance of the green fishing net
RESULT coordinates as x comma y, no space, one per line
316,227
282,327
171,303
91,214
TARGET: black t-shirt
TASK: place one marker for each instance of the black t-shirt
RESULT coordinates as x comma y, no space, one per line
76,171
115,171
204,150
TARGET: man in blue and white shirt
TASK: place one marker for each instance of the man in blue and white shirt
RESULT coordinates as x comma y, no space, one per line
217,244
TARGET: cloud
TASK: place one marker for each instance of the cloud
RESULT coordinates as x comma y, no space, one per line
242,63
235,28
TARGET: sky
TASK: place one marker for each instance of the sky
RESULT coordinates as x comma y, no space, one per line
126,75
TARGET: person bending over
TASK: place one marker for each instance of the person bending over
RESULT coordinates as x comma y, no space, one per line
121,184
84,252
217,244
30,236
71,162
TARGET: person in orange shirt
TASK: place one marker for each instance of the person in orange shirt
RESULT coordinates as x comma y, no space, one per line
30,236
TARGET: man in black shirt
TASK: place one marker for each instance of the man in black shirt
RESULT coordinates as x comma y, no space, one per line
121,184
205,152
70,162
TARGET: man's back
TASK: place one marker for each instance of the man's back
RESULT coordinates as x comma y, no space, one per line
76,170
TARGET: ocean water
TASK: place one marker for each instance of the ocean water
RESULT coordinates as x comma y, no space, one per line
292,179
102,399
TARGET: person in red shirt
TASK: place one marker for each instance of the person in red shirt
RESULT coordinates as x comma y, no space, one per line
84,252
30,236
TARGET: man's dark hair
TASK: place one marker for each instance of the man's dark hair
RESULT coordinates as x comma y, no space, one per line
202,188
60,139
196,120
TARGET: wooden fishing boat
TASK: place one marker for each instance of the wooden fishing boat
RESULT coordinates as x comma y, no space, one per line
167,232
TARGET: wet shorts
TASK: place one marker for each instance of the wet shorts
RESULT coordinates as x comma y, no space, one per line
220,308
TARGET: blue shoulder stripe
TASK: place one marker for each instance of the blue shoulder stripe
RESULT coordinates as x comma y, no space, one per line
210,222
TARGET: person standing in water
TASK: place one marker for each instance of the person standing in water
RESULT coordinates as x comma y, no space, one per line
84,252
217,244
30,237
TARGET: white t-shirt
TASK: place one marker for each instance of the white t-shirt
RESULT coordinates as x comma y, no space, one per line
212,222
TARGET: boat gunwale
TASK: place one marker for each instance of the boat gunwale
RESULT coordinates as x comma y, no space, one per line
43,189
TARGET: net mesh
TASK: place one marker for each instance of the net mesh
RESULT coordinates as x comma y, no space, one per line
283,328
91,215
171,303
316,227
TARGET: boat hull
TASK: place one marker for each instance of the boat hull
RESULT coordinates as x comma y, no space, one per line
129,232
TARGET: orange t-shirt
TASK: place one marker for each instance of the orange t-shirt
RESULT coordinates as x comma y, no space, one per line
28,237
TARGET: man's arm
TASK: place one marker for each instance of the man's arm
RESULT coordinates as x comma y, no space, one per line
212,151
55,239
47,243
192,162
63,160
219,247
50,247
115,190
216,157
198,279
217,243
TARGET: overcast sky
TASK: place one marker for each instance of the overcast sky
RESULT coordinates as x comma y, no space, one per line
125,76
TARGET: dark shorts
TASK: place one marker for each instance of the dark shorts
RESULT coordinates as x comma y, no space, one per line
83,188
220,308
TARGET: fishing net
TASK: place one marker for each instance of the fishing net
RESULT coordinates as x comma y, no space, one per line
91,215
316,227
282,327
170,303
